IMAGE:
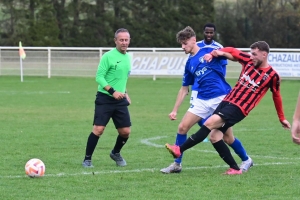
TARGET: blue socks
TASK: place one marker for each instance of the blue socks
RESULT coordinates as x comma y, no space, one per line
201,122
180,139
239,149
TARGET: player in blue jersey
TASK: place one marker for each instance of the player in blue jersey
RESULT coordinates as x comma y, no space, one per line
208,80
209,30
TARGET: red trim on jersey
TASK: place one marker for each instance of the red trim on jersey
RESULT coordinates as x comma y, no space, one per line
253,84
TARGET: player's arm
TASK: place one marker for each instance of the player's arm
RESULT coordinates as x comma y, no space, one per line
296,123
275,89
102,71
182,93
232,54
187,80
218,53
237,54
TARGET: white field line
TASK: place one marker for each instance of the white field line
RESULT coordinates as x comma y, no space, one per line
149,142
33,92
156,170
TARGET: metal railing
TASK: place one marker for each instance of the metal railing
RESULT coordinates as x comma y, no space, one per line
83,61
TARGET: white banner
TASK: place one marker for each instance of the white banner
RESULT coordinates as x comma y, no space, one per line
158,63
286,64
173,63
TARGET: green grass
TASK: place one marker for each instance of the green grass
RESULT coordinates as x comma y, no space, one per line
51,119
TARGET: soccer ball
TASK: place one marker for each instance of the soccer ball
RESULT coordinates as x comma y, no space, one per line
35,168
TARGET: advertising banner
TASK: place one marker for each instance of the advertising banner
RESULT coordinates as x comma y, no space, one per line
158,63
173,63
286,64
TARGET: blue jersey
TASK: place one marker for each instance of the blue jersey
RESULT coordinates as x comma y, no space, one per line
214,45
207,78
210,47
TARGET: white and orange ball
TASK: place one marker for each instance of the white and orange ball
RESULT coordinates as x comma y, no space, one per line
35,168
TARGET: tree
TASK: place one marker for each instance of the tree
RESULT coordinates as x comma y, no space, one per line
152,23
276,22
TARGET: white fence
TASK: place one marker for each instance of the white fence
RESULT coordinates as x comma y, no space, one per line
72,61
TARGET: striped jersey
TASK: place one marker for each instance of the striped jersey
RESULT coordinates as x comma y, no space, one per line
253,84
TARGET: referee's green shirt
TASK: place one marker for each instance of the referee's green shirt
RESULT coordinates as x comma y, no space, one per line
113,69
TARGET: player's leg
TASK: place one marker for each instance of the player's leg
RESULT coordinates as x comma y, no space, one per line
181,136
212,122
121,119
102,115
224,152
228,138
230,115
202,109
200,123
238,148
185,125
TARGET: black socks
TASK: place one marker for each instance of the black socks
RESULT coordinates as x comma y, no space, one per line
120,142
220,146
92,143
194,139
90,146
225,154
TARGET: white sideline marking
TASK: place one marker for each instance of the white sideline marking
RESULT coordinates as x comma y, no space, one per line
33,92
149,143
142,170
253,129
274,157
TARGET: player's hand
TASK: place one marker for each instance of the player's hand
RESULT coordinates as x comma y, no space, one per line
286,125
118,95
172,115
217,53
208,57
296,131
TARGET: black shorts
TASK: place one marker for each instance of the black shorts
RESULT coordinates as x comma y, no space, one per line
230,113
107,107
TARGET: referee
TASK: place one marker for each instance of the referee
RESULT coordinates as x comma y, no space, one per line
112,100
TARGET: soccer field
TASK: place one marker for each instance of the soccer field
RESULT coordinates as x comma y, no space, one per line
50,119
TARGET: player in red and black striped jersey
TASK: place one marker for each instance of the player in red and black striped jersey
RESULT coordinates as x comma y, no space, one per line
253,83
256,77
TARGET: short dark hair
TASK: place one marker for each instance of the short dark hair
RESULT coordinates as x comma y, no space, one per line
185,34
120,30
261,45
210,25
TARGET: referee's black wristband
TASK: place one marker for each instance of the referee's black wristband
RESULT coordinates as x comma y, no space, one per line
111,90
